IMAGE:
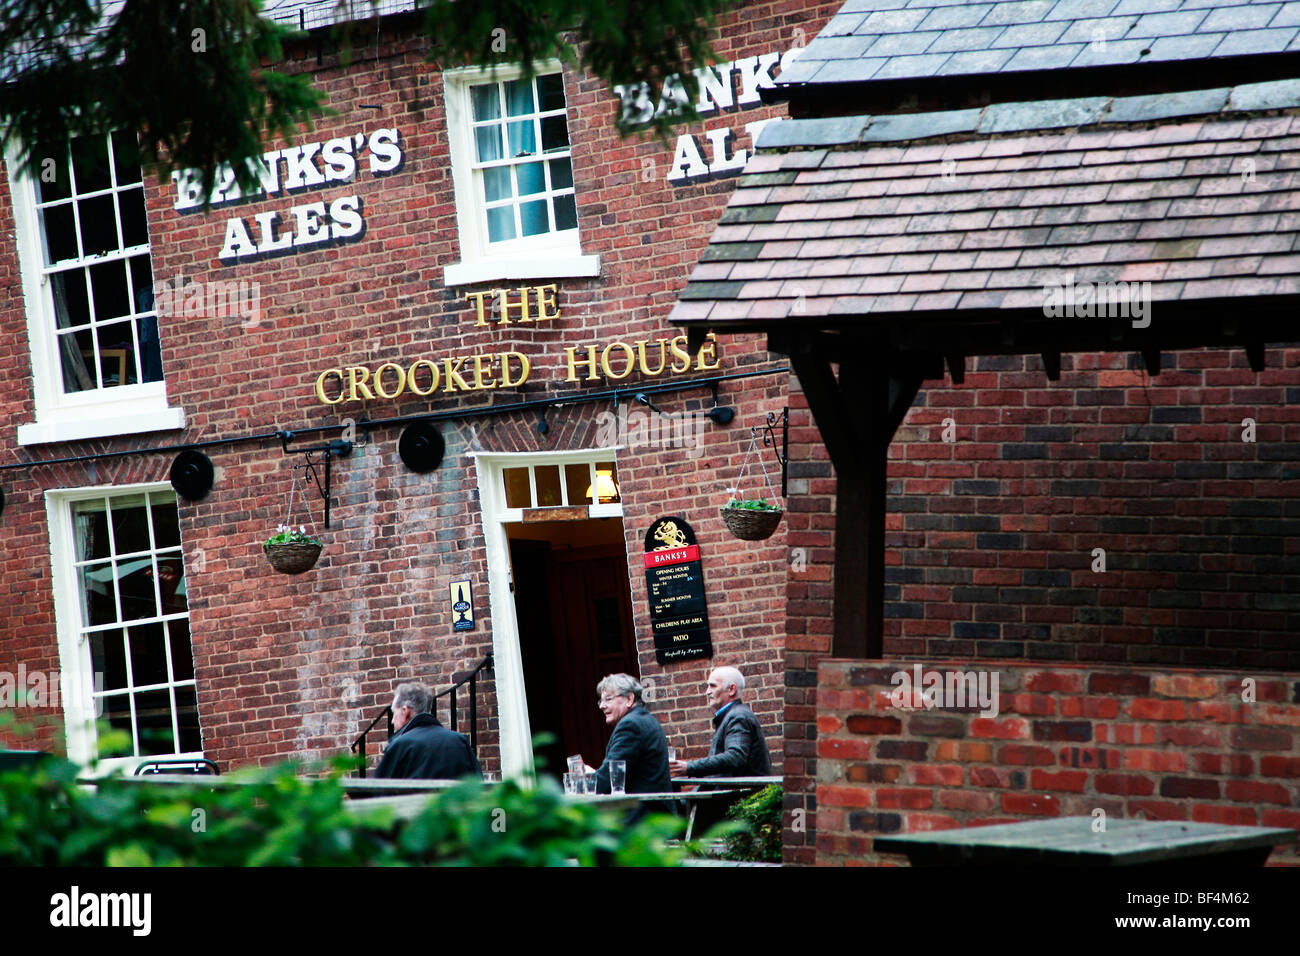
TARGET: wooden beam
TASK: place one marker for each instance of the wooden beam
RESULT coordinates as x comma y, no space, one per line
1052,365
956,367
1255,356
834,420
1151,359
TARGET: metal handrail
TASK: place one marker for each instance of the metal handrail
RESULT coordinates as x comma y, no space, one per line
359,745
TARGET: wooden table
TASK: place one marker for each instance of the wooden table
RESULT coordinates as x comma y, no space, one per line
1071,841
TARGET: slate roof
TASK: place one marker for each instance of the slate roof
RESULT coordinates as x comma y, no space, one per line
870,222
898,39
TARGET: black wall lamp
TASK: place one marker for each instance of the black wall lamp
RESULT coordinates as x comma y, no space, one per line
192,474
421,447
769,438
338,448
718,414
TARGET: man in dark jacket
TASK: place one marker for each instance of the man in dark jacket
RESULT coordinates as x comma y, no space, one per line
638,741
739,749
421,747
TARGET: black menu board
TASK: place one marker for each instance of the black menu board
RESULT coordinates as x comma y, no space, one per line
674,580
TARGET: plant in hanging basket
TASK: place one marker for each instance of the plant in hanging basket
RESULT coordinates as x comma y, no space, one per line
751,520
292,552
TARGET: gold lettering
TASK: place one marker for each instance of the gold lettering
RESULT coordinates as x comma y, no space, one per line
524,368
320,386
675,346
710,346
640,351
451,372
379,380
480,371
546,302
604,360
358,375
589,361
433,374
521,306
478,298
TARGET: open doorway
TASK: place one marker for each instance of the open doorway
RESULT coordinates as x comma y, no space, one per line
574,611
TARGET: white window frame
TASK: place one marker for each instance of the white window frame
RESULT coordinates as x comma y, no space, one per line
76,667
516,742
60,416
552,255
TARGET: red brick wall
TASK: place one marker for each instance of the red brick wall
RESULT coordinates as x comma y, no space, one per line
297,665
1165,744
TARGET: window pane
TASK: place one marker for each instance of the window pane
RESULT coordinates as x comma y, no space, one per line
548,486
496,183
131,204
116,355
518,494
142,283
98,225
52,174
488,140
607,482
555,133
534,217
92,530
550,92
486,102
90,163
117,711
187,719
178,632
501,223
532,178
519,98
578,480
561,173
566,213
148,655
77,361
153,717
71,306
130,527
166,526
108,657
60,234
523,138
126,158
108,283
150,349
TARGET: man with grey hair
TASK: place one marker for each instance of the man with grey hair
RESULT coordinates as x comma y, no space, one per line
420,747
739,749
638,740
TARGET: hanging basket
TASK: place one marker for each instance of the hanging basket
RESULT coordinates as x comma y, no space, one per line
293,557
751,524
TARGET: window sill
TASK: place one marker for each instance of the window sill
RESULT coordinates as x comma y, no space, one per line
534,267
104,422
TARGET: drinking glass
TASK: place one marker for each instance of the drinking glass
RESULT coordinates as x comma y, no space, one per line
570,785
617,776
591,782
672,754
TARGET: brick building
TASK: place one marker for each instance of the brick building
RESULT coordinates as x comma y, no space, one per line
476,250
1098,508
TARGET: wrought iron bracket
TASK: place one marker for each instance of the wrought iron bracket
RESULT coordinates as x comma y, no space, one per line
338,448
783,455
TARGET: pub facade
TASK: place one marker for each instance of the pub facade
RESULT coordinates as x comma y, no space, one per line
435,338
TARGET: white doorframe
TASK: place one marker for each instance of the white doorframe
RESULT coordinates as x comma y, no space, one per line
516,739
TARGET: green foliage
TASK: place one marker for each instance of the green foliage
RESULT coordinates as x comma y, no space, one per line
276,816
191,75
286,535
760,839
755,504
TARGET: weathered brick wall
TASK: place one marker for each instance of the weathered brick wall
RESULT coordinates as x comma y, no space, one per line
1164,744
297,665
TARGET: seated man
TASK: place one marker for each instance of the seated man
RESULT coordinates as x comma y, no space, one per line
421,748
739,749
638,740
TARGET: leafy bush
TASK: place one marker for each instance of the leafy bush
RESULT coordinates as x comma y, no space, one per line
760,838
276,817
754,504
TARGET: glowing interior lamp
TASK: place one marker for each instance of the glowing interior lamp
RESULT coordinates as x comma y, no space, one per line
608,491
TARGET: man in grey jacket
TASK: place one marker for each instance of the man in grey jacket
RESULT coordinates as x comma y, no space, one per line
739,749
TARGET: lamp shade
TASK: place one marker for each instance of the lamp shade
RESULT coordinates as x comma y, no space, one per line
421,447
192,474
